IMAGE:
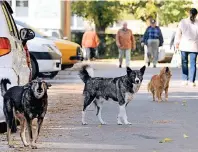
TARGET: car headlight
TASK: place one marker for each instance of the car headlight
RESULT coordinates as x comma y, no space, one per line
49,47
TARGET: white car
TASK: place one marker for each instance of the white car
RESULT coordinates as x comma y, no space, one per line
13,61
45,57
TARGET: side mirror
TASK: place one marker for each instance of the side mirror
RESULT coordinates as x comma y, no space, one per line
26,34
65,38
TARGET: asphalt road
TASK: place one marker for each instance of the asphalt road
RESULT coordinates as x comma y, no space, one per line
151,121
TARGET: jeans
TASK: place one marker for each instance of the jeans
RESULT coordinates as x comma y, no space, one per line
193,58
152,50
127,54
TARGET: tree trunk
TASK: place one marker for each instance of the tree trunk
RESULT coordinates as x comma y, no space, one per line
101,34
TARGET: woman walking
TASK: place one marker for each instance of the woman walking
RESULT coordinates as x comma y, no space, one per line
186,40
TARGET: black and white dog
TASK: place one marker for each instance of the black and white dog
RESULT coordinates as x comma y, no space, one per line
25,103
119,89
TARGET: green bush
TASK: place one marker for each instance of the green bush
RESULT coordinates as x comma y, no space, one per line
108,48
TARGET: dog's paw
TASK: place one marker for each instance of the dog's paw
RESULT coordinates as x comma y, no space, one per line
26,145
84,123
11,146
128,123
119,123
33,146
103,123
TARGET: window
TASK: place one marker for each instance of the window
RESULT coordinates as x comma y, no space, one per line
72,20
80,22
22,8
11,24
8,20
10,2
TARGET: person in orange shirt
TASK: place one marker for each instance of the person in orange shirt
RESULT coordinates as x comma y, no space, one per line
125,42
90,42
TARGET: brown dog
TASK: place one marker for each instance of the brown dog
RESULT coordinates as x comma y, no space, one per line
159,83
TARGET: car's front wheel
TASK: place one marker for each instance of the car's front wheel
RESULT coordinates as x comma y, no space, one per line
34,69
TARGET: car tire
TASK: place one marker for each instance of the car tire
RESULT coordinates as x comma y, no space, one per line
34,69
50,75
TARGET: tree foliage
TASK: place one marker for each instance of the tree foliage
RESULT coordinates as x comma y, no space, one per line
174,11
102,13
106,13
168,11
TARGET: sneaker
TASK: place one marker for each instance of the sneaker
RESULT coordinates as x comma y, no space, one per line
154,66
185,83
120,66
193,84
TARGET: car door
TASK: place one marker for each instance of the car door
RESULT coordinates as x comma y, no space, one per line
19,57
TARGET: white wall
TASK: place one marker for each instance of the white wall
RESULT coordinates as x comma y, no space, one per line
41,13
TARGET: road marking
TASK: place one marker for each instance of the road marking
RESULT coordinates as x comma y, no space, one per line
66,128
84,146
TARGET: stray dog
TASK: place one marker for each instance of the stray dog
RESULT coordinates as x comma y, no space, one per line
159,83
119,89
25,103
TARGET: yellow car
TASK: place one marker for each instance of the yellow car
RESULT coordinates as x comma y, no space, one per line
71,52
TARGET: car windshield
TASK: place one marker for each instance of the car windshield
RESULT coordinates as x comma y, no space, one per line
37,32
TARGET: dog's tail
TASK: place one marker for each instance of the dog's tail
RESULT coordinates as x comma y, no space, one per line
149,86
86,73
4,83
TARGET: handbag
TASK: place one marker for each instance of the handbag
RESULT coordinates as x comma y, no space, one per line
162,54
176,59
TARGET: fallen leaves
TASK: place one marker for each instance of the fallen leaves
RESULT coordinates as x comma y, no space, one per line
166,140
163,121
185,136
184,103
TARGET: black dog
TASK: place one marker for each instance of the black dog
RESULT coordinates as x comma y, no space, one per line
119,89
25,103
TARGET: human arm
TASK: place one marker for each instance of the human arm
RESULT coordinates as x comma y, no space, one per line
145,37
133,41
172,40
178,36
83,39
161,39
117,39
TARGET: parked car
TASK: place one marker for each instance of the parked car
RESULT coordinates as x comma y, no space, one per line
45,56
13,61
71,52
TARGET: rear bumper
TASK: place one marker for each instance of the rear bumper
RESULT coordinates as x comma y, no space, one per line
79,58
49,65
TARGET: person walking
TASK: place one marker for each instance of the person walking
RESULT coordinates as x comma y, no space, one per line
186,40
153,39
90,42
125,41
172,40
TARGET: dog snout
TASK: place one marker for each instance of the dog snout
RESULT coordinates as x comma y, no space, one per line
39,90
137,81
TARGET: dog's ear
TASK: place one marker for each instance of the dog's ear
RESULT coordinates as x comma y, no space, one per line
167,69
48,85
142,70
128,70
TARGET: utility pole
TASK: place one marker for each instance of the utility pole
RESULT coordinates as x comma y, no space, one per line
66,18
